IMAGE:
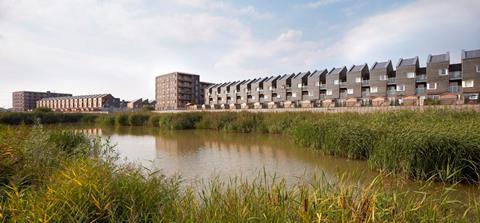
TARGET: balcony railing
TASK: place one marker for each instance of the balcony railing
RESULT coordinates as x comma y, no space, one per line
323,85
343,95
454,89
421,77
365,82
391,80
365,94
420,90
455,75
391,92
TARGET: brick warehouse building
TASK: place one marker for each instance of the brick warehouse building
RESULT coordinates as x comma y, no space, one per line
358,85
81,103
27,100
178,90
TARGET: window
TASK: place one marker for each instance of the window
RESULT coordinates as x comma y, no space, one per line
431,86
473,97
383,77
317,83
443,72
411,75
329,92
294,95
349,91
299,85
401,88
358,79
477,68
270,88
468,83
258,89
336,82
374,89
266,96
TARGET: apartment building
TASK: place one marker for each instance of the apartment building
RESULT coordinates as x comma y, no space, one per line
381,85
27,100
177,90
81,103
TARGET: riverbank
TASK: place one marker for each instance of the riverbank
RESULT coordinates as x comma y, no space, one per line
443,145
66,177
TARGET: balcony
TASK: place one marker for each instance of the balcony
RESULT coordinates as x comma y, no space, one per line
391,92
420,91
365,82
343,95
343,84
391,80
454,89
421,78
455,75
365,94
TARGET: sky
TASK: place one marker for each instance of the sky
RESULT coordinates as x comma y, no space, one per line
119,46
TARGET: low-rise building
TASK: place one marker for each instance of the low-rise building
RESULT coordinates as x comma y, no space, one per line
81,103
27,100
471,75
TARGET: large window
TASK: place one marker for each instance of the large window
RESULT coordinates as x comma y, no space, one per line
358,79
477,68
374,89
401,88
336,82
443,72
349,91
329,92
467,83
431,86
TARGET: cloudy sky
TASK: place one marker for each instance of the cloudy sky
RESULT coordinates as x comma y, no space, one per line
119,46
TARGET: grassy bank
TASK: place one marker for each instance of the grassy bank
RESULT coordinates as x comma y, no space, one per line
66,177
443,145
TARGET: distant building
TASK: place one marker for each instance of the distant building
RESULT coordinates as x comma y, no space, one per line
26,100
82,103
177,90
135,104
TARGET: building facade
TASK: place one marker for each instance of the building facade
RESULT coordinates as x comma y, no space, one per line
440,82
81,103
27,100
178,90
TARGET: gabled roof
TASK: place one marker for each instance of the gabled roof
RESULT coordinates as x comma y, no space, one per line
381,65
287,76
76,97
470,54
407,62
272,78
317,73
338,70
231,83
357,68
260,80
212,86
250,81
241,82
302,75
438,58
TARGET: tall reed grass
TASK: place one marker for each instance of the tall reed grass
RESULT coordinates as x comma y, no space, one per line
76,184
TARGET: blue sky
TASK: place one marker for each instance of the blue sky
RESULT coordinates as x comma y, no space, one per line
119,46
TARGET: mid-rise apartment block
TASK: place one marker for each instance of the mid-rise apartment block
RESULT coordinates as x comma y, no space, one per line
178,90
382,85
27,100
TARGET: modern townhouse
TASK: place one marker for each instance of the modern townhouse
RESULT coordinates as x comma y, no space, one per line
379,74
270,91
258,92
246,94
332,87
315,86
299,88
440,84
284,89
406,79
357,85
471,75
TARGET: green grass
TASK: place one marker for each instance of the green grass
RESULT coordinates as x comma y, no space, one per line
442,145
80,181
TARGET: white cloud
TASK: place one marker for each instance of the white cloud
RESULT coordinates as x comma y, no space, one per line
319,3
226,8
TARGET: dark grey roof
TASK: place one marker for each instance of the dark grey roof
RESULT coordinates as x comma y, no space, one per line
302,74
470,54
241,82
272,78
381,65
260,80
357,68
232,83
337,70
407,62
438,58
287,76
317,73
76,97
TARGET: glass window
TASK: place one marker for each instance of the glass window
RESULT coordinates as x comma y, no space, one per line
467,83
329,92
431,86
336,82
443,72
477,68
349,91
374,89
401,88
358,79
383,77
411,75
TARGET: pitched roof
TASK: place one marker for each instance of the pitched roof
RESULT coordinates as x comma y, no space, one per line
261,80
381,65
287,76
438,58
337,70
407,62
357,68
76,97
470,54
273,78
302,75
317,73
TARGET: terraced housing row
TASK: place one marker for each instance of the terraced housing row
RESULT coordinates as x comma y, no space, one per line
381,85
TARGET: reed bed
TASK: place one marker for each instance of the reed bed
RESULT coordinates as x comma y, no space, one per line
80,181
442,145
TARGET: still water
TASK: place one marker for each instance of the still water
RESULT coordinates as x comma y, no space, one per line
198,155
